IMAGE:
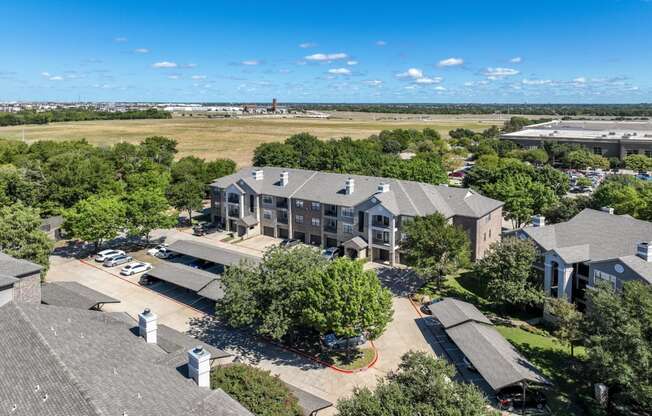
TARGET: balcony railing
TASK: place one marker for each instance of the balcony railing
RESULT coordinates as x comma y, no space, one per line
282,220
379,224
330,228
281,203
234,212
379,241
234,199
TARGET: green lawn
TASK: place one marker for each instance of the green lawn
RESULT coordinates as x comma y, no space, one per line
543,350
356,359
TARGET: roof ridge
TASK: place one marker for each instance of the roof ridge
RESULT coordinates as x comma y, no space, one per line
303,184
409,198
64,368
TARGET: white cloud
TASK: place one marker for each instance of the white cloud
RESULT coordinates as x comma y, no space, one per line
374,82
250,62
351,62
320,57
536,81
516,60
198,77
426,80
411,73
188,65
440,88
165,64
451,62
307,45
56,78
580,80
381,43
173,76
45,74
339,71
120,39
495,73
141,50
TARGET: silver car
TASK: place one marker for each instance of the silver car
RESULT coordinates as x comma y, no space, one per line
105,255
117,260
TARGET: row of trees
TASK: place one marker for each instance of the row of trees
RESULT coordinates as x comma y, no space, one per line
296,292
375,156
76,114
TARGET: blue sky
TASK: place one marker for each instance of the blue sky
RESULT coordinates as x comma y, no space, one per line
336,51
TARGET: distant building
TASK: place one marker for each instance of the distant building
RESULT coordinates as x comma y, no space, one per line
607,138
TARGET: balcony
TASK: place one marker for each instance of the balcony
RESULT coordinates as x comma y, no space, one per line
234,198
282,219
330,211
330,227
282,203
234,212
380,222
380,241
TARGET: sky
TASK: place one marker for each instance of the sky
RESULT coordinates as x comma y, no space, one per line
545,51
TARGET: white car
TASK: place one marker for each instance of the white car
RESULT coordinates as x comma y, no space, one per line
135,267
104,255
154,251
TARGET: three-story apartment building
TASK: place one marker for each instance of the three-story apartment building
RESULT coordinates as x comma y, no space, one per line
364,215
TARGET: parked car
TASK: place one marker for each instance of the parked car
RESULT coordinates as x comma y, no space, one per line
146,280
203,229
333,342
511,398
331,253
117,260
165,253
106,254
155,250
290,242
134,268
425,308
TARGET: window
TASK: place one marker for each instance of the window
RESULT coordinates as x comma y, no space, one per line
597,274
347,212
632,152
267,200
347,228
484,237
298,203
267,214
403,236
488,217
316,222
234,198
597,151
648,153
251,203
489,233
360,221
315,206
298,219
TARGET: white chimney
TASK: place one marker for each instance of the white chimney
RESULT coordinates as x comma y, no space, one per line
257,174
538,220
383,187
607,209
349,186
147,326
644,251
199,366
285,177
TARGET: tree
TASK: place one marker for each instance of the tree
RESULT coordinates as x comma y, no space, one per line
160,150
187,195
146,210
308,148
617,335
217,168
258,390
567,322
422,385
582,159
584,181
96,219
19,185
507,269
434,247
349,300
420,169
566,209
276,154
638,163
622,196
21,235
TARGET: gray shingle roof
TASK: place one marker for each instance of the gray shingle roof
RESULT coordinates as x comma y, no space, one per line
406,197
308,402
73,295
6,280
213,291
356,242
452,312
182,275
496,360
12,266
593,236
209,252
63,361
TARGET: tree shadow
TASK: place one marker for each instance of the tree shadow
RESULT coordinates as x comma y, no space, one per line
401,282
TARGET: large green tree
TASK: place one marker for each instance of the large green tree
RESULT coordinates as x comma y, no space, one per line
21,235
507,268
638,163
147,210
276,154
422,385
434,247
618,339
187,194
96,219
567,322
160,150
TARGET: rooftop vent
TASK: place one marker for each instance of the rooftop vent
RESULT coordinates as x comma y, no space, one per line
199,366
349,186
257,174
538,221
608,210
285,177
383,187
147,326
644,251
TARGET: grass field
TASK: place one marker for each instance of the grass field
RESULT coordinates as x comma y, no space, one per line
231,138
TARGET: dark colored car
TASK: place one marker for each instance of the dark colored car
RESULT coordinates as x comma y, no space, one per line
203,229
290,242
146,280
511,398
333,342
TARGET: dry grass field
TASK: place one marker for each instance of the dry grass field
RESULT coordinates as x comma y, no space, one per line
236,138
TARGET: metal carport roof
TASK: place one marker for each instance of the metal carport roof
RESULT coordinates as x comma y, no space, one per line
451,312
73,295
212,253
308,402
183,276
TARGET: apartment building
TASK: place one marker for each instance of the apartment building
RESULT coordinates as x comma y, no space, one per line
593,246
364,215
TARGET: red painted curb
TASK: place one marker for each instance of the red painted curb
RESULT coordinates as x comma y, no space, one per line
415,307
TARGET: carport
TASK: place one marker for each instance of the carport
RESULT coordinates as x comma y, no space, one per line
203,283
73,295
493,357
309,403
212,253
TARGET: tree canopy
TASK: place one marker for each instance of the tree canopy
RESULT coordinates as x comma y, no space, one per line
21,235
